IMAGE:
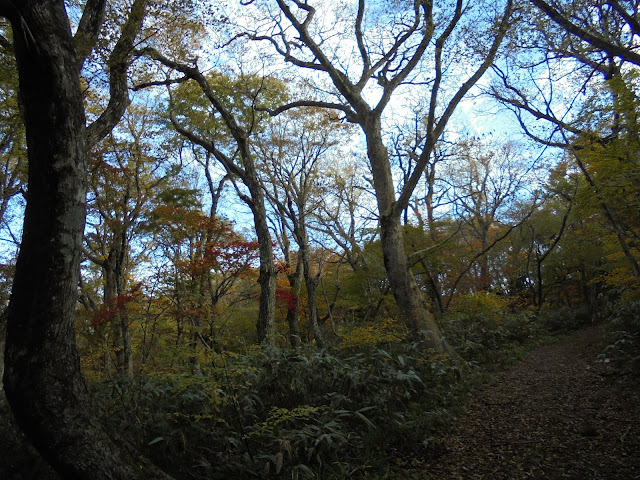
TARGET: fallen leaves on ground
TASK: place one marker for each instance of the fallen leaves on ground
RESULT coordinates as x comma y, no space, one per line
559,414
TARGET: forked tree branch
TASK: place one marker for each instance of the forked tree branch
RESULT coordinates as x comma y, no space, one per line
592,39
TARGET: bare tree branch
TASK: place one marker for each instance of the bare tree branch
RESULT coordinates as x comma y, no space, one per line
350,115
484,251
632,21
435,129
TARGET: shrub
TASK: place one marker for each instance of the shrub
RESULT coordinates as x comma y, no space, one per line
566,319
483,330
373,334
623,338
484,307
300,413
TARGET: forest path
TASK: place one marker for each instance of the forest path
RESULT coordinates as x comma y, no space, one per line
558,414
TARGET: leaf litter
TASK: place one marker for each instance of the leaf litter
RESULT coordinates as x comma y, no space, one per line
558,414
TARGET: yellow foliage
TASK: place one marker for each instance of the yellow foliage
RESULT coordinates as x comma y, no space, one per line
279,415
92,364
388,330
621,277
487,306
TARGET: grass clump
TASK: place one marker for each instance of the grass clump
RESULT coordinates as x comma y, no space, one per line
280,412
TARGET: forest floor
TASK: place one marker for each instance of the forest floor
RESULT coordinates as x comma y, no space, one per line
557,414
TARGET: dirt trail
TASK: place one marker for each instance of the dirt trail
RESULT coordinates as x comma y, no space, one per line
558,414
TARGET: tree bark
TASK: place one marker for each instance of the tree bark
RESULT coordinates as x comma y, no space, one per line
43,381
114,276
265,326
293,306
267,280
408,297
310,281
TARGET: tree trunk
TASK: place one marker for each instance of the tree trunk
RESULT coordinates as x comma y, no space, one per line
3,336
114,280
267,280
433,291
539,285
483,262
293,307
311,284
43,381
265,326
409,300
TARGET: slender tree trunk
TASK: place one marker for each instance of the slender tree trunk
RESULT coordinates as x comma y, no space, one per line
267,280
312,289
3,336
539,285
113,337
43,381
248,174
293,320
114,279
200,300
485,271
311,284
293,308
433,290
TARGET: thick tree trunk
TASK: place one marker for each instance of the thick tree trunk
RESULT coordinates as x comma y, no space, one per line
43,381
409,300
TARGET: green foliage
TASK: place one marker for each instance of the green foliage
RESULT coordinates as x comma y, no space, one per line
372,334
482,330
299,414
489,307
623,339
245,95
365,291
367,407
566,319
